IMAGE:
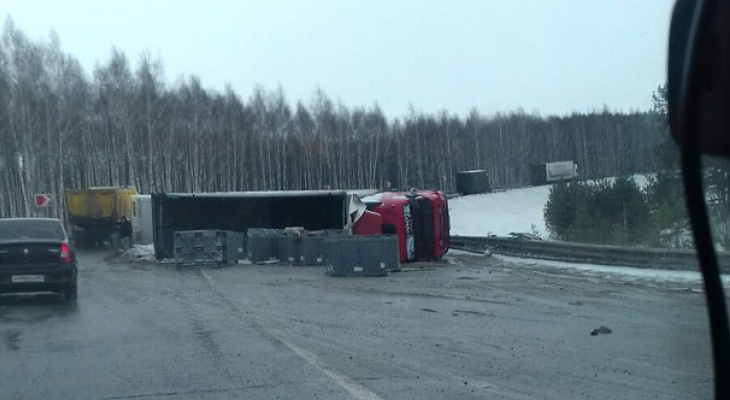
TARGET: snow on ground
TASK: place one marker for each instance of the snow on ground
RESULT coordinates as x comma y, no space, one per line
501,213
620,273
624,273
138,253
641,180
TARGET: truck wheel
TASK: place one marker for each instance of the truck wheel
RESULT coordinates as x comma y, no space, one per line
70,294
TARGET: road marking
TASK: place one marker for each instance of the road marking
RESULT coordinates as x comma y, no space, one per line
343,381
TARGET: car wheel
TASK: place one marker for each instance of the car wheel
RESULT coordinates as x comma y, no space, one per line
70,294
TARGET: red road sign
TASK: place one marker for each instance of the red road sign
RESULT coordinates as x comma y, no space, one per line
43,200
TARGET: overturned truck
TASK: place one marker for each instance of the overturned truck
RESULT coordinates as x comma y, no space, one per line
240,211
419,219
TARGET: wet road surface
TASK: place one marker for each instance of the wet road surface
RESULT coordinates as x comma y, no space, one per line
470,327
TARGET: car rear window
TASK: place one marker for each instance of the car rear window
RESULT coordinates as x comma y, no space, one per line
31,230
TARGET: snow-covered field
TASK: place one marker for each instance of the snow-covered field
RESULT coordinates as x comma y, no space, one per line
502,213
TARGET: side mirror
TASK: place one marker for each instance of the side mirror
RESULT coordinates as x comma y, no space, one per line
698,81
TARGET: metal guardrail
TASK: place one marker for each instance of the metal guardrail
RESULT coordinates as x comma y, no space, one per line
651,258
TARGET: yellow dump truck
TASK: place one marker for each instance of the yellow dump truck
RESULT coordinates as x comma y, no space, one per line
94,213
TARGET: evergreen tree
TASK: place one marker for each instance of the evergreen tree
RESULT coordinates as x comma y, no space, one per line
664,191
605,211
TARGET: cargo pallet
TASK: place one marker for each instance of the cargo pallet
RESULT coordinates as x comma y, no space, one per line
199,248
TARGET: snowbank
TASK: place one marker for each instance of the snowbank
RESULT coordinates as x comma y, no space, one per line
138,253
624,273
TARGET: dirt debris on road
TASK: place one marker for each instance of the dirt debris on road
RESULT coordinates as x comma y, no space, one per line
602,330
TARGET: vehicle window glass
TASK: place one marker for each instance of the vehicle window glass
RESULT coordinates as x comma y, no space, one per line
24,230
716,182
388,229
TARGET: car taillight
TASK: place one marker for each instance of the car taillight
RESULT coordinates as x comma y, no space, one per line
65,253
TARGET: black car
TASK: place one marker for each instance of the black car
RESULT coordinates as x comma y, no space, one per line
36,256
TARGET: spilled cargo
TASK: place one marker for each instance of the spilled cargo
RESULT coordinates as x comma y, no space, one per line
209,247
240,211
362,255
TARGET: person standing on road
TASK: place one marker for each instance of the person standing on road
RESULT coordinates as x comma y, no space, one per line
125,232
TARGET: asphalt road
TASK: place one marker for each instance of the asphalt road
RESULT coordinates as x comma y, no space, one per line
470,327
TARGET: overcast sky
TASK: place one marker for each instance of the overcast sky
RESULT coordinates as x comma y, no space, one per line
551,56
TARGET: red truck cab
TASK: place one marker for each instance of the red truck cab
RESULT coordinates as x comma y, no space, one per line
420,218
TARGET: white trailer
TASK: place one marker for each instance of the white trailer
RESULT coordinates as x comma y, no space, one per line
553,172
142,219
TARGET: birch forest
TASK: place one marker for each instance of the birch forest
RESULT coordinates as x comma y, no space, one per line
126,124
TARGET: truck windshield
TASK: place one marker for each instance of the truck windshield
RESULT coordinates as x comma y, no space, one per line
14,230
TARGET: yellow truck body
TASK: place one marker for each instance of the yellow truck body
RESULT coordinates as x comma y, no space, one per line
94,213
100,203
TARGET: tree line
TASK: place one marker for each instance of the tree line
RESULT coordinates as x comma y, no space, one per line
126,125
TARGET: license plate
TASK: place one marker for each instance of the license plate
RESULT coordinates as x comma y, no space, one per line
28,278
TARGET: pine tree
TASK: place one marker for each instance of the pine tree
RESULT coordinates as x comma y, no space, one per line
664,191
